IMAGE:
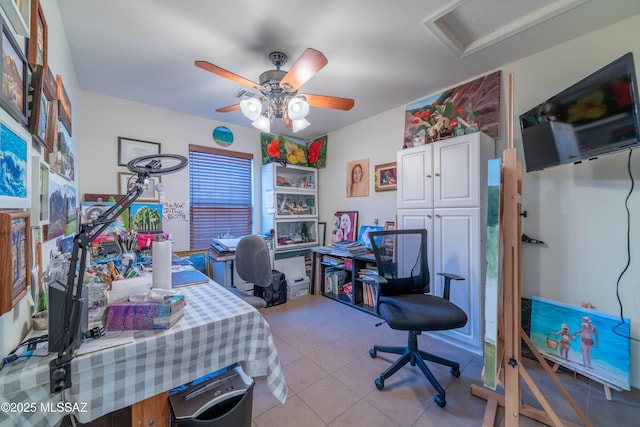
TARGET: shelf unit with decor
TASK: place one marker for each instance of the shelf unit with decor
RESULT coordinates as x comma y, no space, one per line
331,272
289,206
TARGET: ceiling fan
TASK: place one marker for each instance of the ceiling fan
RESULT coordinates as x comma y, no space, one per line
279,90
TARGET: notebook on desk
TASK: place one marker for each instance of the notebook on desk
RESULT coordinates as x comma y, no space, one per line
187,277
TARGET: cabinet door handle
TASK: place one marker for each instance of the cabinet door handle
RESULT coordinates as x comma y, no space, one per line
438,216
437,174
429,216
428,175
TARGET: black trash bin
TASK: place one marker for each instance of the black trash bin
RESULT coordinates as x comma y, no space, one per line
220,400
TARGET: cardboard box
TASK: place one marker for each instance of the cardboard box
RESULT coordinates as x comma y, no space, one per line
144,315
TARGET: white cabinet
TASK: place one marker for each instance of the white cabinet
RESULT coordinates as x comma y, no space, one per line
442,187
289,204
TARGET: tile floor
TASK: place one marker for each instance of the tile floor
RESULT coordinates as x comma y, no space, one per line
323,347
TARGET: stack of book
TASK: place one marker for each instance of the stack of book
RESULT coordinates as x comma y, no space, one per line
334,279
348,248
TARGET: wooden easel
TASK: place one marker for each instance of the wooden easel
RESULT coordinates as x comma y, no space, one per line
510,366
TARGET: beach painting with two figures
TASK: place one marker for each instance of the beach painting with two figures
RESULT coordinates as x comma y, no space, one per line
588,341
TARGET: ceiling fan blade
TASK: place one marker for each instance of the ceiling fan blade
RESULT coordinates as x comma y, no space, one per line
322,101
228,109
309,63
228,75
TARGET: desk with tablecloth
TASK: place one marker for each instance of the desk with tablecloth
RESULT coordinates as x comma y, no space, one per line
218,329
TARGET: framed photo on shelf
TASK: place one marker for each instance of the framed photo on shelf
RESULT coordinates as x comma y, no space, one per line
129,149
15,258
14,73
39,35
363,237
386,177
17,11
150,194
345,226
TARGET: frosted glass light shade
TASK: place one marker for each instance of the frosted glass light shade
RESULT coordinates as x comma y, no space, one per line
299,124
263,124
298,108
251,108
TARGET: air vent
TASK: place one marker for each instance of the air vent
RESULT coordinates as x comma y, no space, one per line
244,93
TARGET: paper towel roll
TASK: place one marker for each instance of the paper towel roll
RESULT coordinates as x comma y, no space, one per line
161,252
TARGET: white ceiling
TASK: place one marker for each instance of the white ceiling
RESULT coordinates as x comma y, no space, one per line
381,53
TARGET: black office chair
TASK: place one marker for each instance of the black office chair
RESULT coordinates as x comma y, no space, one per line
403,302
253,264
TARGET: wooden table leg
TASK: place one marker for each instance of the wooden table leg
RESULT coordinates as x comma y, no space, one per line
153,411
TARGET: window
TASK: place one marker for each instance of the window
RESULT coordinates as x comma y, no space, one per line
220,188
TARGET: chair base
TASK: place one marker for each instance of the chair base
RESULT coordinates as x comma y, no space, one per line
411,354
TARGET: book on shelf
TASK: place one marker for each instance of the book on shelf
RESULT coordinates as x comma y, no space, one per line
334,279
348,290
348,248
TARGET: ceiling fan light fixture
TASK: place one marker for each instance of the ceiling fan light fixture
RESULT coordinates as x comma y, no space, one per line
298,108
251,108
263,123
299,124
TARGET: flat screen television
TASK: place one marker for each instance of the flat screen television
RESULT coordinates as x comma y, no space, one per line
596,116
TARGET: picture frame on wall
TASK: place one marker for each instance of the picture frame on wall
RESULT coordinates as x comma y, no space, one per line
39,35
14,76
15,258
64,105
129,149
386,177
17,12
16,193
40,115
150,194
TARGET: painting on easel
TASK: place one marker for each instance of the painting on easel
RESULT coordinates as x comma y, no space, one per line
590,342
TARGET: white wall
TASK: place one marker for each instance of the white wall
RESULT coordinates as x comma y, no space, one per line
577,210
107,118
16,323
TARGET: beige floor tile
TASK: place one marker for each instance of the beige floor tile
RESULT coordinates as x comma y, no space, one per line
293,413
329,398
302,373
364,414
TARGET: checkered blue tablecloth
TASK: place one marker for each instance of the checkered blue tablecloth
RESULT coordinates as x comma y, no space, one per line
218,329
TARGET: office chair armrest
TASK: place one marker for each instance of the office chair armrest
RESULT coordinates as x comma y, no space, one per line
447,282
376,280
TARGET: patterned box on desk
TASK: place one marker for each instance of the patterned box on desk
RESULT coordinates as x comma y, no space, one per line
144,315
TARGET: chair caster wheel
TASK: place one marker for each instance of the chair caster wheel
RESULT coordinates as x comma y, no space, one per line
455,372
379,383
440,401
373,353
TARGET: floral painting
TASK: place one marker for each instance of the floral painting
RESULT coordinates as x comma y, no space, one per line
317,152
283,149
466,108
278,148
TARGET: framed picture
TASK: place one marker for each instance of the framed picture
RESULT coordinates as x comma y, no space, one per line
40,198
38,40
41,106
14,71
358,178
91,197
145,217
150,194
345,226
90,211
363,237
15,258
17,11
16,189
386,177
129,149
64,105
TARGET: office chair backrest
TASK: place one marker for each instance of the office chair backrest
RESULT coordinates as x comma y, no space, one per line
401,258
253,262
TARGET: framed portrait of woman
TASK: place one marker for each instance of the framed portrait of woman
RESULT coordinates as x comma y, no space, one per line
358,178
